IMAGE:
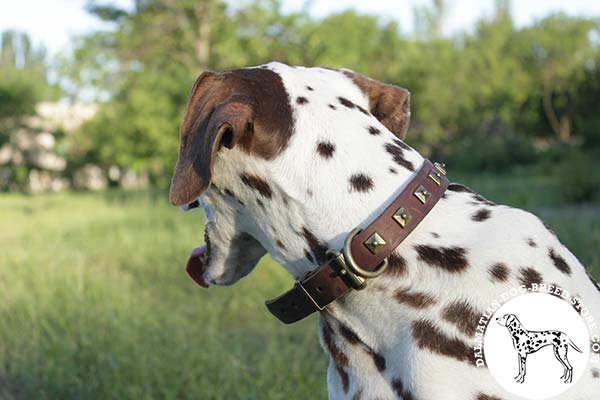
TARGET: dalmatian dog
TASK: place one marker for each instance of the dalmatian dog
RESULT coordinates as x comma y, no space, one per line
527,342
288,160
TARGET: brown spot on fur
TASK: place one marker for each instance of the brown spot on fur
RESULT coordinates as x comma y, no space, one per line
396,265
451,259
325,149
549,228
309,256
435,235
301,100
482,396
353,339
392,170
529,276
360,183
481,215
463,316
260,203
328,338
362,110
402,145
559,262
345,102
339,358
456,187
358,394
318,247
344,377
428,336
332,107
378,360
413,299
258,184
531,242
280,244
349,335
595,373
499,272
398,156
229,193
373,130
398,386
309,88
400,390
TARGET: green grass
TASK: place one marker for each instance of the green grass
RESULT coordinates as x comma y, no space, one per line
95,304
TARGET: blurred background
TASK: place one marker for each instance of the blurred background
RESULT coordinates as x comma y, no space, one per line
94,301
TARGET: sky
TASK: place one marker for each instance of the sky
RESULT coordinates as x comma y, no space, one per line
54,22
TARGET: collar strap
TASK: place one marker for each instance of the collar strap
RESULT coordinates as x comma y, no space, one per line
365,252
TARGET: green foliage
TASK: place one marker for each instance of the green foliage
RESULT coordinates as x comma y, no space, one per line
23,80
468,90
586,121
558,51
495,98
499,154
576,175
18,95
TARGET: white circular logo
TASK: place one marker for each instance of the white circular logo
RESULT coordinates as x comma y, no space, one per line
536,345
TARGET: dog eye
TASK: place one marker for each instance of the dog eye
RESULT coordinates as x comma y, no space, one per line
192,205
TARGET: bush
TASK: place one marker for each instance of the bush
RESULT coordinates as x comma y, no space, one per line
577,176
494,154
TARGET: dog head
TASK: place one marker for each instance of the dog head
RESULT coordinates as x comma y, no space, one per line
237,127
508,320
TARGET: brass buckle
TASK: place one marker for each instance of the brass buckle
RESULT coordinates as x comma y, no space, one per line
350,269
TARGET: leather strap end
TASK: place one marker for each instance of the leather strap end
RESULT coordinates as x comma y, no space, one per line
292,306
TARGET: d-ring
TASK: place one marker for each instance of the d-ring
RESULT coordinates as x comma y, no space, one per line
353,266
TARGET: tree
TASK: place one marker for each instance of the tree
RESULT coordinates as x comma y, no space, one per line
558,52
23,72
144,68
499,85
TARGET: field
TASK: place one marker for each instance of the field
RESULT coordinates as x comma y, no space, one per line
95,303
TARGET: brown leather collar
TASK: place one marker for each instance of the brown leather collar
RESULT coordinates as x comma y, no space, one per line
365,253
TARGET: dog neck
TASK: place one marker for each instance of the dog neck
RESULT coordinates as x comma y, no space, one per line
324,198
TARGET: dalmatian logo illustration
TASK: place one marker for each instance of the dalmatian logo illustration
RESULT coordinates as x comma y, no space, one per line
528,342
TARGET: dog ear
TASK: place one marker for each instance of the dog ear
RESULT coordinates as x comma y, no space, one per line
390,104
203,133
